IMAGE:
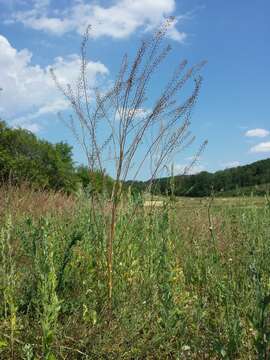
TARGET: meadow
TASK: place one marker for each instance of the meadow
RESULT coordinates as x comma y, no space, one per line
191,278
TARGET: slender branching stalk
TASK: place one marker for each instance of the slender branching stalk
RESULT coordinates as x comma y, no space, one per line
115,125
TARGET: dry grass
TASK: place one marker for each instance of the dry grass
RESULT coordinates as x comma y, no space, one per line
153,203
182,290
22,200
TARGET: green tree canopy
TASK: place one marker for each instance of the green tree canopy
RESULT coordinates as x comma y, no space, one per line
25,158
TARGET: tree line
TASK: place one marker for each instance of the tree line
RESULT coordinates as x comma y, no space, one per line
241,180
26,159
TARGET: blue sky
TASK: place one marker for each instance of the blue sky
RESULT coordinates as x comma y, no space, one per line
233,110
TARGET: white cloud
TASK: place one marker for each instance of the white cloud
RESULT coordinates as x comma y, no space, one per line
37,18
34,127
119,20
26,121
231,164
137,114
257,133
180,169
261,147
28,90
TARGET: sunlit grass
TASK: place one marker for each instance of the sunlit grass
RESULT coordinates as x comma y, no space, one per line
184,288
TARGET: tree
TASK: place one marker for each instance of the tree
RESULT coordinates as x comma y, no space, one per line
25,158
94,182
124,117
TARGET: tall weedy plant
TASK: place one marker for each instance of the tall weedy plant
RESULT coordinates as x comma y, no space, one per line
49,303
117,124
8,280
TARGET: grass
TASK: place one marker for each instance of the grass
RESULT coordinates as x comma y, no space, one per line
191,279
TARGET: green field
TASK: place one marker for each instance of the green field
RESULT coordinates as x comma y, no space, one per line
191,279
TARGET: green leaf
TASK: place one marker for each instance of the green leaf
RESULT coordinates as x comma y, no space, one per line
223,353
51,357
3,344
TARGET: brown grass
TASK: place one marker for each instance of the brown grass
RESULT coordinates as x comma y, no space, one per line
22,200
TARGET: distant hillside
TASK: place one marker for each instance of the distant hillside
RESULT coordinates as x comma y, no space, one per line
25,158
241,180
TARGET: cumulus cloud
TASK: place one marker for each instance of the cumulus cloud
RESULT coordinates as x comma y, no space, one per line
119,20
29,120
37,18
262,147
28,90
257,133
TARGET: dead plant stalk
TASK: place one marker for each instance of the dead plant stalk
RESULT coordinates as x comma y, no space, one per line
113,124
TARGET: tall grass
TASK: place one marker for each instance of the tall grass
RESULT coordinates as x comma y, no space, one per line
181,290
8,283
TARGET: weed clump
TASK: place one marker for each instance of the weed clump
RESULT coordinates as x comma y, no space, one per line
178,294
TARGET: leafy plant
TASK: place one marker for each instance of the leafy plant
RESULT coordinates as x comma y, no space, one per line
8,281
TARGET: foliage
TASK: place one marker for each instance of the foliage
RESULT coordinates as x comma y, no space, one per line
94,181
25,158
8,280
47,300
242,180
192,281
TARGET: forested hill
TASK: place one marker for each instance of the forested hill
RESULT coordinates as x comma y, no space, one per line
242,180
25,158
253,178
